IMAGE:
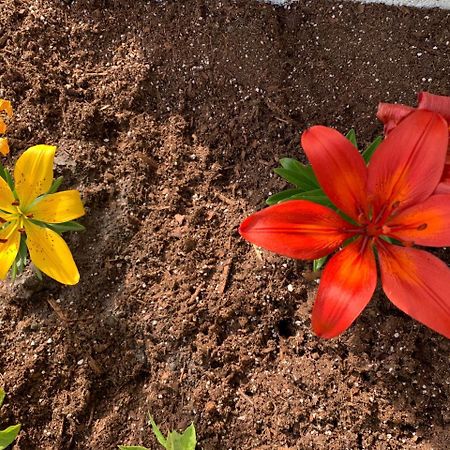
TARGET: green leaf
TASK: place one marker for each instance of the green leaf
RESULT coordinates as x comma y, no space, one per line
2,396
318,263
185,441
297,174
21,259
282,196
2,172
65,226
37,272
132,447
9,179
7,436
159,436
14,271
55,185
370,150
315,196
351,136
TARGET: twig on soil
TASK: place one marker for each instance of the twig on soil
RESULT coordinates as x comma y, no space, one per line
258,253
58,310
282,120
62,315
245,397
94,365
194,296
225,199
225,275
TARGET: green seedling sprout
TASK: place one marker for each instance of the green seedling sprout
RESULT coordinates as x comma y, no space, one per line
174,441
7,435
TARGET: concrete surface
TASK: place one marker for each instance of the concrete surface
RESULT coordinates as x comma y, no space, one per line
444,4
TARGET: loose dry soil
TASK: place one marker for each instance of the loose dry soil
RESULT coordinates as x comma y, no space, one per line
169,118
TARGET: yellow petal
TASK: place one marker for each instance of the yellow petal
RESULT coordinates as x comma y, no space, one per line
5,105
33,173
6,197
50,254
58,207
3,126
9,247
4,147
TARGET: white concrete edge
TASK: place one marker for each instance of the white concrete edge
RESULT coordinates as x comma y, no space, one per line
443,4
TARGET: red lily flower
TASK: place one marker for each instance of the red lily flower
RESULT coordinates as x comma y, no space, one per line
392,198
392,114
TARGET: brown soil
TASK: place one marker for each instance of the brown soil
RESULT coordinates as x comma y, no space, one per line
169,117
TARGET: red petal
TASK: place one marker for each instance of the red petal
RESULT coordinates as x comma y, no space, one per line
339,167
427,223
436,103
346,286
417,283
297,228
408,164
391,114
443,188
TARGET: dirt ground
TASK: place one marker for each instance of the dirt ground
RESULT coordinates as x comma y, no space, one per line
169,118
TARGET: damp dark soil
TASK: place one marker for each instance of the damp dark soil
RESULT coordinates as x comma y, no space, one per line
169,118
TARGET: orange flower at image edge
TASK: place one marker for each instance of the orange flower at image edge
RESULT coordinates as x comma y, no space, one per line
5,107
389,206
26,211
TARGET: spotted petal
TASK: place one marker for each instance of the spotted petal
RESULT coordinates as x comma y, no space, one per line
417,283
9,247
6,197
59,207
427,223
33,173
50,254
408,164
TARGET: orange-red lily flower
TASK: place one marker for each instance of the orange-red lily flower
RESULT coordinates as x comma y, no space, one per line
389,206
391,114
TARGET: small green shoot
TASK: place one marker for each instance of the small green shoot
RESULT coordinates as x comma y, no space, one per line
351,136
318,263
187,440
369,151
8,435
55,185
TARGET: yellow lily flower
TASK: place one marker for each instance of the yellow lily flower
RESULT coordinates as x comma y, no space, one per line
29,208
5,106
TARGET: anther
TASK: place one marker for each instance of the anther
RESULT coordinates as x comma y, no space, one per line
15,203
30,216
2,220
395,205
21,230
385,229
422,227
361,217
3,241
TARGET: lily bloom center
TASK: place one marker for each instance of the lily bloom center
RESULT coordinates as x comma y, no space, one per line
383,223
